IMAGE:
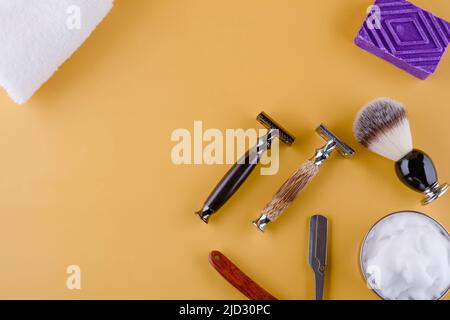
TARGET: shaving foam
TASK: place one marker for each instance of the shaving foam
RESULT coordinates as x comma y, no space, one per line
406,256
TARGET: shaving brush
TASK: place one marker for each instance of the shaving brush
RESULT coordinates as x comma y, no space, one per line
382,126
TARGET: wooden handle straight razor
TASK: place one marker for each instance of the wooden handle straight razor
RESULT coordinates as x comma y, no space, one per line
237,278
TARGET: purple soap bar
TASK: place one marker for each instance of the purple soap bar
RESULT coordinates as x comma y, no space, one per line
405,35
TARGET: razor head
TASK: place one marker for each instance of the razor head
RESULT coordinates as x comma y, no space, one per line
344,149
269,123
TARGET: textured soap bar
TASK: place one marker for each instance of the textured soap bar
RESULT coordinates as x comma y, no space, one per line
405,35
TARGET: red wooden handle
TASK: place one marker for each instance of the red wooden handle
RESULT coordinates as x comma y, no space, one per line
237,278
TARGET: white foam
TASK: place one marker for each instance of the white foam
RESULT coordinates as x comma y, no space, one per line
406,256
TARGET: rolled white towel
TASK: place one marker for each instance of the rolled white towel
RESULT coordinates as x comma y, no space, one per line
37,36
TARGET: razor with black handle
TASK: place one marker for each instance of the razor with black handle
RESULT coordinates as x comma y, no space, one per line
242,169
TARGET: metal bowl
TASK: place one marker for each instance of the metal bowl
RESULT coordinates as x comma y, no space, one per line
361,265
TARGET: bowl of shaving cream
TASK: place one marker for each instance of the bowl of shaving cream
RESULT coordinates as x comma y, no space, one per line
406,256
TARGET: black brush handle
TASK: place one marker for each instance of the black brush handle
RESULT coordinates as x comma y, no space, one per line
416,170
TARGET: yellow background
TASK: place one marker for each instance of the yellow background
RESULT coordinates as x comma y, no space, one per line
86,173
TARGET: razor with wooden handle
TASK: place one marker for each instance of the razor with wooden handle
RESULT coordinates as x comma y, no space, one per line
236,176
237,278
302,177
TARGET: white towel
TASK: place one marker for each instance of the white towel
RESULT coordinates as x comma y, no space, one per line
37,36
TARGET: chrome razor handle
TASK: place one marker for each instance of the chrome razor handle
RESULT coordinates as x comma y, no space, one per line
236,176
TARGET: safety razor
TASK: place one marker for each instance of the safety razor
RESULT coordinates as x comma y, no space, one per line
302,177
242,169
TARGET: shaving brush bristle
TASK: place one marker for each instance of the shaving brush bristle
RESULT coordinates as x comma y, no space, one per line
383,127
